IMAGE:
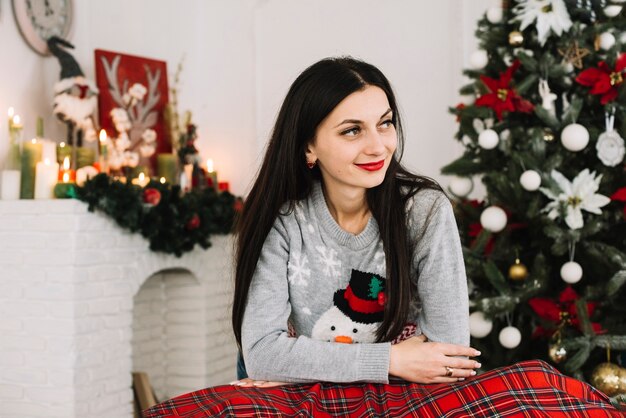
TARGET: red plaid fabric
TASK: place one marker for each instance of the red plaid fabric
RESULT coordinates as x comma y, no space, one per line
526,389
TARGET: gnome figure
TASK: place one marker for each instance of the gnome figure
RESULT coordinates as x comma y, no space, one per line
356,313
75,98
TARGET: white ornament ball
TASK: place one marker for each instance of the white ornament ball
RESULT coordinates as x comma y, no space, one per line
493,219
612,10
510,337
488,139
575,137
479,325
461,186
607,40
505,135
494,14
571,272
530,180
479,59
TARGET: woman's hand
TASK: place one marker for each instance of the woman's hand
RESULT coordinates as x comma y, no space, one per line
428,362
249,383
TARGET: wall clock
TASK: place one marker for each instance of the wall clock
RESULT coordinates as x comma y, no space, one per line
38,20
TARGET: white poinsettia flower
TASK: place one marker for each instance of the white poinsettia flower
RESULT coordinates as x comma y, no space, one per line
137,91
574,197
549,15
149,136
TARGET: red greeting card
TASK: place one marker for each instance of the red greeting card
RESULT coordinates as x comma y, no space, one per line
116,73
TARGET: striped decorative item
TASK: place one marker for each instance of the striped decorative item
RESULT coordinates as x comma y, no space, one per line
526,389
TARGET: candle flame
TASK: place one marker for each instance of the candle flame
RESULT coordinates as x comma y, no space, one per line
16,120
34,140
66,177
103,136
66,163
142,177
11,112
62,144
162,180
209,165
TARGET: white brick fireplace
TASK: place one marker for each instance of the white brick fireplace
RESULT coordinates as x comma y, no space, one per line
83,303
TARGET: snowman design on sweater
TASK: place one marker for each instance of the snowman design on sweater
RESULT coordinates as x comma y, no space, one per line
356,313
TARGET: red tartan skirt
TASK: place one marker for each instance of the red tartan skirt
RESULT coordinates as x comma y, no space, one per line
526,389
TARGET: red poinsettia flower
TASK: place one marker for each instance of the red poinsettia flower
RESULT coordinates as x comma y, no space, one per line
554,311
502,96
620,196
603,80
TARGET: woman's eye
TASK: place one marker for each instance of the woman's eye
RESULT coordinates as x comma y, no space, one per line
352,131
387,123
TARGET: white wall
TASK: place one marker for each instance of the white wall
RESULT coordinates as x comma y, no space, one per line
241,56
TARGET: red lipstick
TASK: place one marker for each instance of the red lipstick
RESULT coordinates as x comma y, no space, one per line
375,166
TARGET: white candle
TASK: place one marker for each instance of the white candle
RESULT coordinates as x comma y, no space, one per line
49,150
209,165
46,175
10,184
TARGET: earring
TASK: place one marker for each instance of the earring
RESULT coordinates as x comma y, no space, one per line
311,164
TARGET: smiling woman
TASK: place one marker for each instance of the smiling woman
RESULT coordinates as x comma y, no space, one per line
350,294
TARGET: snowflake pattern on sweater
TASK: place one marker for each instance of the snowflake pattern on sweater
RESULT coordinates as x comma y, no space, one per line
298,272
330,263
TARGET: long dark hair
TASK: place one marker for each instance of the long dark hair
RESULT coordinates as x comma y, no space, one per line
285,178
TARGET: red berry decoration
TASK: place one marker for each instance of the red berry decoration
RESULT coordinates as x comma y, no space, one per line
151,196
382,298
193,223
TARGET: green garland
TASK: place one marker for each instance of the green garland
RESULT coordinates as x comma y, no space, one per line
173,224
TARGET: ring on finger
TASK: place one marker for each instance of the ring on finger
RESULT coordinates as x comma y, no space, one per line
449,371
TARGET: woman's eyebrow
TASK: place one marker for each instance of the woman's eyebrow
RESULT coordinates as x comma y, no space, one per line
356,121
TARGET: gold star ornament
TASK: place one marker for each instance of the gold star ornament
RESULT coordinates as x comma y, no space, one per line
574,54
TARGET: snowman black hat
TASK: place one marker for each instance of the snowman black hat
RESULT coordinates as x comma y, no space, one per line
363,300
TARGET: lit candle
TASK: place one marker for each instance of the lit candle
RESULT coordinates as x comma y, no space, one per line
45,179
162,180
11,113
66,189
63,150
31,155
65,169
167,166
104,152
142,180
211,174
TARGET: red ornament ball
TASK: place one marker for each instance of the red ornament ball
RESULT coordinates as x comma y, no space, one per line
151,196
193,223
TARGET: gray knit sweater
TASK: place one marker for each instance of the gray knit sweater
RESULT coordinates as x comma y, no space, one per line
326,283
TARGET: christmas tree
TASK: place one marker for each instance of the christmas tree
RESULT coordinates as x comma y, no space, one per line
542,124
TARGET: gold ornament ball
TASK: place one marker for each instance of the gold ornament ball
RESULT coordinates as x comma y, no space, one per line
548,135
609,378
557,353
516,38
518,271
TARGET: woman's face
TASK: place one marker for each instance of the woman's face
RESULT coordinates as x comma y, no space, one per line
354,144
